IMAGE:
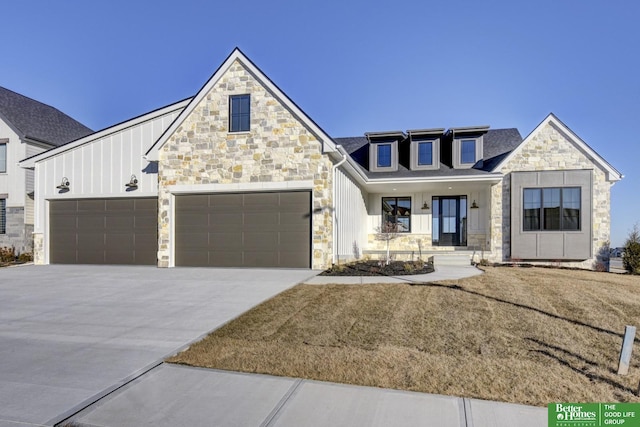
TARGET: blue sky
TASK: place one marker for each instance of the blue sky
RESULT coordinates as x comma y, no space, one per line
353,66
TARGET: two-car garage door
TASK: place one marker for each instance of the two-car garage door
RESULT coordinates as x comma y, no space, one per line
267,229
103,231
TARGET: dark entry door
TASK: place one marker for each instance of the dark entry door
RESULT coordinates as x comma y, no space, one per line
450,221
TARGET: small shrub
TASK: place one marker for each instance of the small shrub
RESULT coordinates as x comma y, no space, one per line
631,255
601,267
484,262
25,257
7,254
409,267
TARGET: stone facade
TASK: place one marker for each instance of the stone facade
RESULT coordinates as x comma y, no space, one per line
277,149
18,235
38,249
550,149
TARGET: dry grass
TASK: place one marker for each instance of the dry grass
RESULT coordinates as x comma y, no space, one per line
525,335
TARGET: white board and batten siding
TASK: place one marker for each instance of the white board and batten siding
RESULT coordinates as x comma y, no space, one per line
101,167
351,216
31,150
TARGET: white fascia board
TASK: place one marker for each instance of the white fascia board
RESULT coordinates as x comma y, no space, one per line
612,174
492,178
31,161
327,143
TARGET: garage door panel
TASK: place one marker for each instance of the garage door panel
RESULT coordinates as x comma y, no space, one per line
103,231
292,259
192,258
119,205
193,240
195,219
227,258
224,221
247,229
261,259
91,205
231,241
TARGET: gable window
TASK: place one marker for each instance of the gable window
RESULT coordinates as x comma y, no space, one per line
396,212
3,216
239,113
468,151
425,153
3,157
384,155
551,209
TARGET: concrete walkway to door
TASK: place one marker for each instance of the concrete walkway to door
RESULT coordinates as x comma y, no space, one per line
71,334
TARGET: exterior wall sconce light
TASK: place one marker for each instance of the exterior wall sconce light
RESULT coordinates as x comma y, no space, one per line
474,205
64,185
425,206
133,183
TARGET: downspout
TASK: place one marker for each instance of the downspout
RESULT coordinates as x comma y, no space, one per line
333,196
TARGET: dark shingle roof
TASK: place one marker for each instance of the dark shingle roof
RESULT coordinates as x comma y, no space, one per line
498,143
38,121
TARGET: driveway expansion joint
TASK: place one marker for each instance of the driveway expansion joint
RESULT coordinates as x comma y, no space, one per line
283,401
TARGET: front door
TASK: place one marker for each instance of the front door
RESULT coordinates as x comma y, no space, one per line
449,221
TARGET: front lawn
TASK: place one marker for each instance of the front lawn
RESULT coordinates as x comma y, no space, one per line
524,335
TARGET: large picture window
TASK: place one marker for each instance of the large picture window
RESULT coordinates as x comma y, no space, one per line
551,209
239,113
396,211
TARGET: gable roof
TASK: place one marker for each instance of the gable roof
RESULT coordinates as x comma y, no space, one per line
497,144
237,55
37,121
612,173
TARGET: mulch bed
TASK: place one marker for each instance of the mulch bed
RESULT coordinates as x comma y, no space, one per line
378,268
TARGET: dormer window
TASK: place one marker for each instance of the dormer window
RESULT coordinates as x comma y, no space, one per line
384,155
466,146
425,153
383,150
468,151
425,148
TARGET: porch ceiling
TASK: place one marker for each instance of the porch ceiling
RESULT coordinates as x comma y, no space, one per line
429,186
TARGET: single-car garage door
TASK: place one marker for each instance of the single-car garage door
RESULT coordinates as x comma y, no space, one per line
244,229
103,231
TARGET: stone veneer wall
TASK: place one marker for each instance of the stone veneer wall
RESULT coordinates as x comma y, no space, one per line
18,235
278,148
550,149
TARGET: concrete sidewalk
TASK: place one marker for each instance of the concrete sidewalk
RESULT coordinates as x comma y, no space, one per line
172,395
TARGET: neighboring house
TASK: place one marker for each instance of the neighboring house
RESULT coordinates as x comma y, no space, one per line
27,127
239,175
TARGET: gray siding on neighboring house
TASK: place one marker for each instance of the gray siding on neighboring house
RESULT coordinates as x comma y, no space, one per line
551,245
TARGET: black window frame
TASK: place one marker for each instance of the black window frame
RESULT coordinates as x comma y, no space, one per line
239,120
396,215
546,219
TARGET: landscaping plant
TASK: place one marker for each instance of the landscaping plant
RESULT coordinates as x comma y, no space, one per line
631,255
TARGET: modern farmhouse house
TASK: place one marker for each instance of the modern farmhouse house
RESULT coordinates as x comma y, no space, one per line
240,176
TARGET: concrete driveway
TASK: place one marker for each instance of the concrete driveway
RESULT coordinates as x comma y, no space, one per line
70,334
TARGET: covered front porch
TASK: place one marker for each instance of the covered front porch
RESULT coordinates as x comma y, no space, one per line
431,218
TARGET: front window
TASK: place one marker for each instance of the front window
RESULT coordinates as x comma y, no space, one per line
3,157
239,113
425,153
396,211
3,216
384,155
551,209
468,151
